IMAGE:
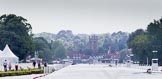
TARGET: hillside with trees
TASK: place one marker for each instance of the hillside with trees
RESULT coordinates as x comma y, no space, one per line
17,33
80,42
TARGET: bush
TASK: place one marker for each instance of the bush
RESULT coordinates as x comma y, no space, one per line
21,72
36,71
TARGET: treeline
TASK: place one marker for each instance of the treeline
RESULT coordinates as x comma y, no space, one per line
17,33
50,51
80,43
144,42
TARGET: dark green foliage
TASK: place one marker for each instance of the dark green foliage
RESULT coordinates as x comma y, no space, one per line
88,52
16,32
80,43
49,51
58,50
43,47
122,55
100,51
141,48
136,33
60,53
155,33
144,42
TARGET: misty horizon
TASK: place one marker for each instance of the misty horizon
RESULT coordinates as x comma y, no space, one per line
85,16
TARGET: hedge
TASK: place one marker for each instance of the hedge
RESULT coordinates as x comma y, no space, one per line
21,72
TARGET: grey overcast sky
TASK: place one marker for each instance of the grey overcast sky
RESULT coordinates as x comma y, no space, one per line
85,16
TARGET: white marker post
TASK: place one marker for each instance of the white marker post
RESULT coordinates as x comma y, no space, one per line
155,62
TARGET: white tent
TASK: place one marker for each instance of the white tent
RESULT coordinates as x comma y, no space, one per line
0,53
8,55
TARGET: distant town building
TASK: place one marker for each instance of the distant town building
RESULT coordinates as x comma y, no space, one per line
78,57
110,57
93,40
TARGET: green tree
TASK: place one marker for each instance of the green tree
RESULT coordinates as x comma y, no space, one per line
101,51
136,33
43,47
140,46
122,55
155,34
88,52
60,53
16,32
144,42
50,51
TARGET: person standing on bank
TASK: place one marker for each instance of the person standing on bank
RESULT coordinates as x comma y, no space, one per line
39,65
16,66
45,64
34,63
45,68
9,65
5,65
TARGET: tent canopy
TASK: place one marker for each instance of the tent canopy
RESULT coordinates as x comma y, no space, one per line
0,53
8,55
